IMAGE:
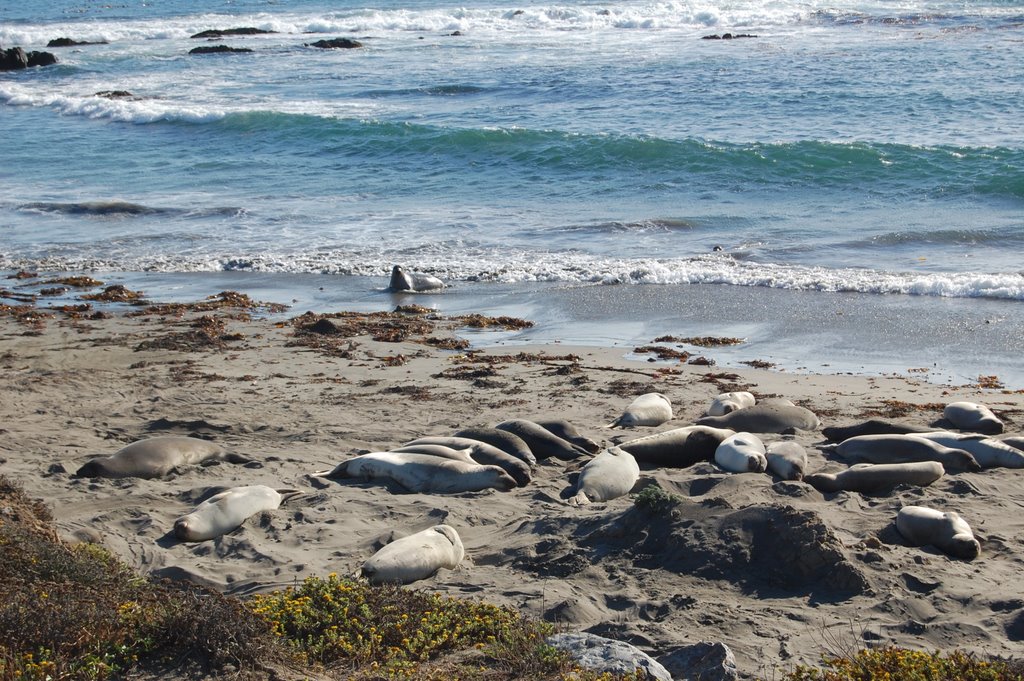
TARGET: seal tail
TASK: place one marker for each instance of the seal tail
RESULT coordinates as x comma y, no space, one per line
339,471
617,423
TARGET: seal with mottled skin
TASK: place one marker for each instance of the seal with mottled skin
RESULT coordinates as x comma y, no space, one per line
423,472
948,532
567,431
869,427
609,475
742,453
679,447
510,443
226,511
903,449
786,459
156,457
541,441
989,452
650,409
415,557
402,280
873,478
482,453
974,417
729,402
766,417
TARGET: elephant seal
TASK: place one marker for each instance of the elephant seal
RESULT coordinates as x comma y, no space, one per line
869,427
765,417
609,475
650,409
156,457
1015,441
872,478
482,453
679,447
948,532
786,459
729,402
510,443
542,442
974,417
989,452
415,557
567,431
742,453
904,449
416,282
436,449
423,473
226,511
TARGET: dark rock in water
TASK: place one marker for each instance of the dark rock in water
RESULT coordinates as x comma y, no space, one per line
705,660
605,655
727,36
13,59
216,49
220,33
336,43
41,59
68,42
114,94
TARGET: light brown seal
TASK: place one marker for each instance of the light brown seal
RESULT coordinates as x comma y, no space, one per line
423,472
415,557
948,532
974,417
226,511
609,475
157,457
873,478
649,409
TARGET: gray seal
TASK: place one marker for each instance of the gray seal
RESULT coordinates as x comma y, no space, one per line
765,417
482,453
415,557
422,473
416,282
157,457
989,452
786,459
904,449
226,511
679,447
609,475
974,417
948,532
871,478
541,441
869,427
510,443
567,431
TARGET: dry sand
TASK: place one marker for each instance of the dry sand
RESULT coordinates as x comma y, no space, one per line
777,571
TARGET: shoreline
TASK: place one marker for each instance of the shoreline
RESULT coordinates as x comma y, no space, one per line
76,389
946,341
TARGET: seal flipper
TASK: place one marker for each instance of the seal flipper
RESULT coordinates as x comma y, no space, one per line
288,494
232,457
339,471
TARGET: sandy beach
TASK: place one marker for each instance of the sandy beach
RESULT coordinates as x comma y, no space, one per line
776,570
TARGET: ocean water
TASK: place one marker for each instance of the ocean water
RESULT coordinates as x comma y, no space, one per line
846,188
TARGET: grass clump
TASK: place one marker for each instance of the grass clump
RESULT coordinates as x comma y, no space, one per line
653,498
900,664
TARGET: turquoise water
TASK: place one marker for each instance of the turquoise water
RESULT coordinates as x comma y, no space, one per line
850,147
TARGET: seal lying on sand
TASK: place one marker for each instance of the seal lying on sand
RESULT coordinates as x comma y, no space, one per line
423,473
156,457
650,409
510,443
679,447
989,452
742,453
869,427
567,431
482,453
976,418
903,449
541,441
870,478
786,459
226,511
415,557
948,532
404,280
779,416
609,475
729,402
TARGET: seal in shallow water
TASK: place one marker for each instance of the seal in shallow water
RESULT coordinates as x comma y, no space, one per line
156,457
948,532
404,280
226,511
415,557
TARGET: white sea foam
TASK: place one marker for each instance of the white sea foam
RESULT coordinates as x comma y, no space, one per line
124,110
